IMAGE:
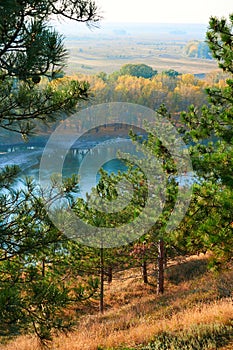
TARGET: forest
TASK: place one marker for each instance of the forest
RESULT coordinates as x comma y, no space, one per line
177,91
144,261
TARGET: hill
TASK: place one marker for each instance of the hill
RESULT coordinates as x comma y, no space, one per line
195,312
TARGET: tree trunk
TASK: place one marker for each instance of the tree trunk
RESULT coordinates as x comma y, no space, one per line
101,280
110,274
161,261
43,267
144,271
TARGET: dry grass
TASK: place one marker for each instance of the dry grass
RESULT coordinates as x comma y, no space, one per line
161,54
227,347
134,313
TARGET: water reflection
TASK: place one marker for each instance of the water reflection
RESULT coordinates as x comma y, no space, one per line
28,158
87,162
87,158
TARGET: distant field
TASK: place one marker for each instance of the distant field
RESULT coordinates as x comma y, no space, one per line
108,51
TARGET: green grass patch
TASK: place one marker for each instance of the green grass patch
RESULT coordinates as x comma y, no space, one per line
201,337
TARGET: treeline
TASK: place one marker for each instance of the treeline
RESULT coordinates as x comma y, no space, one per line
178,91
198,49
143,85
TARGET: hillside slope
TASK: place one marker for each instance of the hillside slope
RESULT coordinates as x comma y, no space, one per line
195,312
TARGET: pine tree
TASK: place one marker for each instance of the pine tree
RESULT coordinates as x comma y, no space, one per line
33,253
208,225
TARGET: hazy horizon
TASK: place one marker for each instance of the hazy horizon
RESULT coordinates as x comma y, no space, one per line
166,11
109,29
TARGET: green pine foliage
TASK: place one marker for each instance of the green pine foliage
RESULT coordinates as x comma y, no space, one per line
34,255
208,225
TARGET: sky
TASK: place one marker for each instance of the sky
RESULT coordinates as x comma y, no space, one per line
164,11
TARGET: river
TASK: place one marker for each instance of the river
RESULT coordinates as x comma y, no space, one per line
28,157
93,154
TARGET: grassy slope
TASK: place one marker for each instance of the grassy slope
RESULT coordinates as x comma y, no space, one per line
197,307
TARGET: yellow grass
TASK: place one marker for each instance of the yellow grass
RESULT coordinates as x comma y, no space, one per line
135,314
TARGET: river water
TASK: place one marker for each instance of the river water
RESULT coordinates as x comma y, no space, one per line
84,159
28,157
